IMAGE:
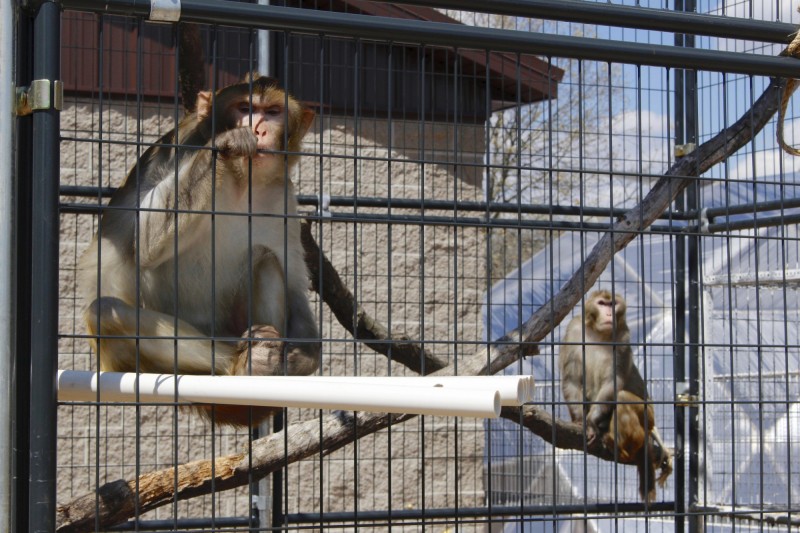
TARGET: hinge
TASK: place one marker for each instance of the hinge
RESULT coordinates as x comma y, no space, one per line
41,95
165,10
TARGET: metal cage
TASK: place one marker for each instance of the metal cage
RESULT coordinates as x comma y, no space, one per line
473,171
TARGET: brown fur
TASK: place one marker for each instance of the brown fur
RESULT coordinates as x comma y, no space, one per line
633,423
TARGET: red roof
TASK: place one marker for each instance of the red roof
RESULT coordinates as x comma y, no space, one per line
538,80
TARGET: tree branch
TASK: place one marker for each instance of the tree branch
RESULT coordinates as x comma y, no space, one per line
115,501
326,282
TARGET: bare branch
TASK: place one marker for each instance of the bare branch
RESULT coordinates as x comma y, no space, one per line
327,282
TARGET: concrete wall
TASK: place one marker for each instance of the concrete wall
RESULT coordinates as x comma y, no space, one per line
424,281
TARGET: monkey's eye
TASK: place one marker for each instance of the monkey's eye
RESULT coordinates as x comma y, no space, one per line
274,111
244,108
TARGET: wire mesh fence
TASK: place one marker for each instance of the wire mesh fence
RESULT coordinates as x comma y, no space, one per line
472,174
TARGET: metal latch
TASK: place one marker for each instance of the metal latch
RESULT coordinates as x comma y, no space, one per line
41,95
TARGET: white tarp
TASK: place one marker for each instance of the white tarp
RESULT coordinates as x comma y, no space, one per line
749,358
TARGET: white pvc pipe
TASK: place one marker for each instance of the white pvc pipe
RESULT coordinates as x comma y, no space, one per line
514,390
74,385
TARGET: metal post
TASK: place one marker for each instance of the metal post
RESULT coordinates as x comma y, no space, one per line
262,489
679,358
693,204
44,272
7,113
265,55
679,362
687,264
22,278
693,287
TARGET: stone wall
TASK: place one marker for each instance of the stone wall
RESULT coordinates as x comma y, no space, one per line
425,281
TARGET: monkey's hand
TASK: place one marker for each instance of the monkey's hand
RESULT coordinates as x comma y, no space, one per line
237,142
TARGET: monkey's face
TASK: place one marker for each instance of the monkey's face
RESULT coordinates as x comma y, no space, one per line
266,119
605,315
257,120
604,308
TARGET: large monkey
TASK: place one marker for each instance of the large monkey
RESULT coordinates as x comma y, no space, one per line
598,375
197,265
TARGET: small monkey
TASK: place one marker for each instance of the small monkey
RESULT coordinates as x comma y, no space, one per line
597,372
628,422
174,288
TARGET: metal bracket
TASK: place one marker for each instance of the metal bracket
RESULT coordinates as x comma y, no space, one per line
703,222
687,400
41,95
682,150
165,10
324,206
684,398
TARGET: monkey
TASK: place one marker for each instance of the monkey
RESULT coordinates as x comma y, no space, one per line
197,265
604,389
589,383
633,427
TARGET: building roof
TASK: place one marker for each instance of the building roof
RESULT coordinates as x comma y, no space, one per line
538,79
513,79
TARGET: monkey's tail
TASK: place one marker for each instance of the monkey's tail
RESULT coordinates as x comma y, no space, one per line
646,469
657,456
662,457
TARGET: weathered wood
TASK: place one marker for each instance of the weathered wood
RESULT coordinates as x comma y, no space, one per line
312,437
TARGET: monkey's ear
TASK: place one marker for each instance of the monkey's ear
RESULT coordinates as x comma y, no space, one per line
306,120
204,104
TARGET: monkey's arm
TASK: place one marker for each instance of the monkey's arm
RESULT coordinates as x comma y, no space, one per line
303,350
181,195
571,367
281,302
603,403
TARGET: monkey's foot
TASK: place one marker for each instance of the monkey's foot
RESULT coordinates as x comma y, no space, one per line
259,353
591,434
